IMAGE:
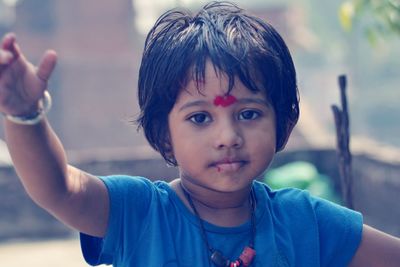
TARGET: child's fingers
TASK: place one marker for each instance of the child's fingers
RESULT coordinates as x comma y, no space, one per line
7,40
9,43
46,65
9,46
5,57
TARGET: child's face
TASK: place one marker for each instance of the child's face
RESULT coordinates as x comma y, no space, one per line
221,143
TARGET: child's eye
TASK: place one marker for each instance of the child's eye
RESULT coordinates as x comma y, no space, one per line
249,115
200,118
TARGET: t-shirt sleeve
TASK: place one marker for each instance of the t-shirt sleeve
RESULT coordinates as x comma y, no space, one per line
130,198
340,231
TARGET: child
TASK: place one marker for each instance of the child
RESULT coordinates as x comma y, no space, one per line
218,99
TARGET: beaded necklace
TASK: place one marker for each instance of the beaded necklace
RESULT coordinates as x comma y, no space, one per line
248,253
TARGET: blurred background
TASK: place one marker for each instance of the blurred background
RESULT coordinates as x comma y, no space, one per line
99,44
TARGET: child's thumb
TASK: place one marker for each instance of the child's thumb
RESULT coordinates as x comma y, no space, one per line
46,65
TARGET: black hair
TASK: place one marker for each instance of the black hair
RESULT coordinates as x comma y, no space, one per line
238,44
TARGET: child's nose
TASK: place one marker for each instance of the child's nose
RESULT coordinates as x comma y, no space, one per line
229,135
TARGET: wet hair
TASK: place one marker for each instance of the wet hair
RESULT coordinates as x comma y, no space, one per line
236,43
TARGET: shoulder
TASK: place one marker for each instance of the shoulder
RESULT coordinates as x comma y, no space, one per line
124,180
301,201
134,192
333,231
289,208
126,183
290,204
286,198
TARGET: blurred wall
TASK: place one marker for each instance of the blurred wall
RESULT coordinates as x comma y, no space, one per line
95,82
375,193
94,85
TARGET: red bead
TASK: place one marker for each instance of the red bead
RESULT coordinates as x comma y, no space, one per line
247,256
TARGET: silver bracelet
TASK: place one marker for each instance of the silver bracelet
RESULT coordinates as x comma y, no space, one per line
32,119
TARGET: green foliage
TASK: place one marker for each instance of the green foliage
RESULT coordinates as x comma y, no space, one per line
378,18
302,175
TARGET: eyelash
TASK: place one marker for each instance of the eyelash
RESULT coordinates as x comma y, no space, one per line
192,118
207,118
253,113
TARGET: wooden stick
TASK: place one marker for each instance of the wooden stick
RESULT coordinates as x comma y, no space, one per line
343,141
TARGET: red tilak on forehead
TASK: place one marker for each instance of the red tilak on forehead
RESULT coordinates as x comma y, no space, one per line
225,100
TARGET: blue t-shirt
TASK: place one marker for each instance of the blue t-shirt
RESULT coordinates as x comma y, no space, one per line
150,226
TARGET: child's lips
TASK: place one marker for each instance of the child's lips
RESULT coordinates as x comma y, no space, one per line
229,165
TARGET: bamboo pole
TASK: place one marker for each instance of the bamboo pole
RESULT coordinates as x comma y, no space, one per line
341,117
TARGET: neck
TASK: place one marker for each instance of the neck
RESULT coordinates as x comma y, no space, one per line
221,208
248,253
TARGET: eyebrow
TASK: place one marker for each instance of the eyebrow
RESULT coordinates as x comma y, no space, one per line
198,103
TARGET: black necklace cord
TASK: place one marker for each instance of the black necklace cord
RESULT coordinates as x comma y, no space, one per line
216,256
203,232
253,219
201,224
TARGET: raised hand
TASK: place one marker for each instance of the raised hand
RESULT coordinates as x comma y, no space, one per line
21,83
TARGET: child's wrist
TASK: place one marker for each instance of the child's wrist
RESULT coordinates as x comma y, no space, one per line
35,117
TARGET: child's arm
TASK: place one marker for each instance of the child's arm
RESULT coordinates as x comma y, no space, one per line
377,249
73,196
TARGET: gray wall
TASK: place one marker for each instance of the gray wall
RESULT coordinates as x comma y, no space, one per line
376,190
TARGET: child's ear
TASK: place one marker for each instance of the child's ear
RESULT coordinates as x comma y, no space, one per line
289,129
169,152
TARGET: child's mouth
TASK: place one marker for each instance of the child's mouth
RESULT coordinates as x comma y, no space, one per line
229,166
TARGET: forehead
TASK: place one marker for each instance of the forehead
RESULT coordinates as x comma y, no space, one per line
215,83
